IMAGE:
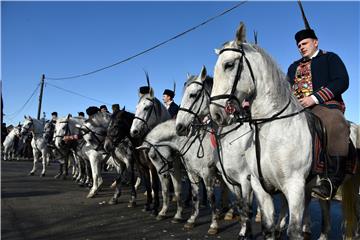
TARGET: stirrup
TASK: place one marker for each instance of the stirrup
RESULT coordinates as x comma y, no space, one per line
331,191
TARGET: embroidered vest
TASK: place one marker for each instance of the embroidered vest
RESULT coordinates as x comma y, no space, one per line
303,85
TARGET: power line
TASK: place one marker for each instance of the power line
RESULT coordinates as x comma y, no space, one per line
12,116
77,94
151,48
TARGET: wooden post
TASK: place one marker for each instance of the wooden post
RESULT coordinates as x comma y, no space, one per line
40,95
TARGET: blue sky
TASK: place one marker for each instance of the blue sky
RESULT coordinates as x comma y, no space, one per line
61,39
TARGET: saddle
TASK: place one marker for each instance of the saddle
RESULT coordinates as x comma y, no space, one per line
320,155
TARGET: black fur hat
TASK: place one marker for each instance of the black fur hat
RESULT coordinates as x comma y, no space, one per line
169,92
92,110
303,34
144,89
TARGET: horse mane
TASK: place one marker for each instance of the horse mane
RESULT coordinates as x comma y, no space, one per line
208,83
283,85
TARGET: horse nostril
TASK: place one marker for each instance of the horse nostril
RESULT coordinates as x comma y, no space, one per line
135,132
218,118
180,128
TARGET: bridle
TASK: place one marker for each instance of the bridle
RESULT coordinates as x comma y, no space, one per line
149,112
67,130
198,96
229,107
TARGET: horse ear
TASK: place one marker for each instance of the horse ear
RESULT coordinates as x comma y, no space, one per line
151,92
25,117
217,51
187,75
68,116
241,34
29,118
203,73
123,109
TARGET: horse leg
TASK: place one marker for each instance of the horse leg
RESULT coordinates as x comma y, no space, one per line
45,160
117,193
296,202
36,159
176,179
266,207
155,188
195,198
325,219
146,176
164,180
281,222
209,184
95,168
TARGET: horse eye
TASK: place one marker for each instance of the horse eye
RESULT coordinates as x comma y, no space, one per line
193,95
229,65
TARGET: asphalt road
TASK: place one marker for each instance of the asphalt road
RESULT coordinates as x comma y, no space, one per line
48,208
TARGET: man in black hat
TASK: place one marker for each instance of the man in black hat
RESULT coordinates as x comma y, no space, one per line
92,110
54,116
103,108
81,114
318,79
168,99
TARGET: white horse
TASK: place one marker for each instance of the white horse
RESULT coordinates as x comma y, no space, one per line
194,108
149,113
38,143
67,134
9,143
245,72
93,131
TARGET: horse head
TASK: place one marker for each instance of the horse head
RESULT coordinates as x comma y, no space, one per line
246,78
94,129
27,126
195,102
149,112
66,126
118,129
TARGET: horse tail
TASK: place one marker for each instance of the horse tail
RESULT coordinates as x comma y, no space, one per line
350,189
349,192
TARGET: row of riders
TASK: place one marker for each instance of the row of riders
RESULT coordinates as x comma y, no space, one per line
252,126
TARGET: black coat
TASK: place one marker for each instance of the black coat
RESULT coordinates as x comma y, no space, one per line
173,109
328,74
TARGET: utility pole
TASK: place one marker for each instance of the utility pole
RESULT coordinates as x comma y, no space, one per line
40,96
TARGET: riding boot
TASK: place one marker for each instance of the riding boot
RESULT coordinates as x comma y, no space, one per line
329,184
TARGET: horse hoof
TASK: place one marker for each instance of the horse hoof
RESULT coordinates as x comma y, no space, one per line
160,217
189,226
113,201
90,195
42,175
64,177
307,235
31,174
228,217
131,204
57,176
154,212
146,208
113,185
243,238
212,231
258,217
176,220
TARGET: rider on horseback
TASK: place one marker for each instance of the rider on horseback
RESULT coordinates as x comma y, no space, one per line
318,79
